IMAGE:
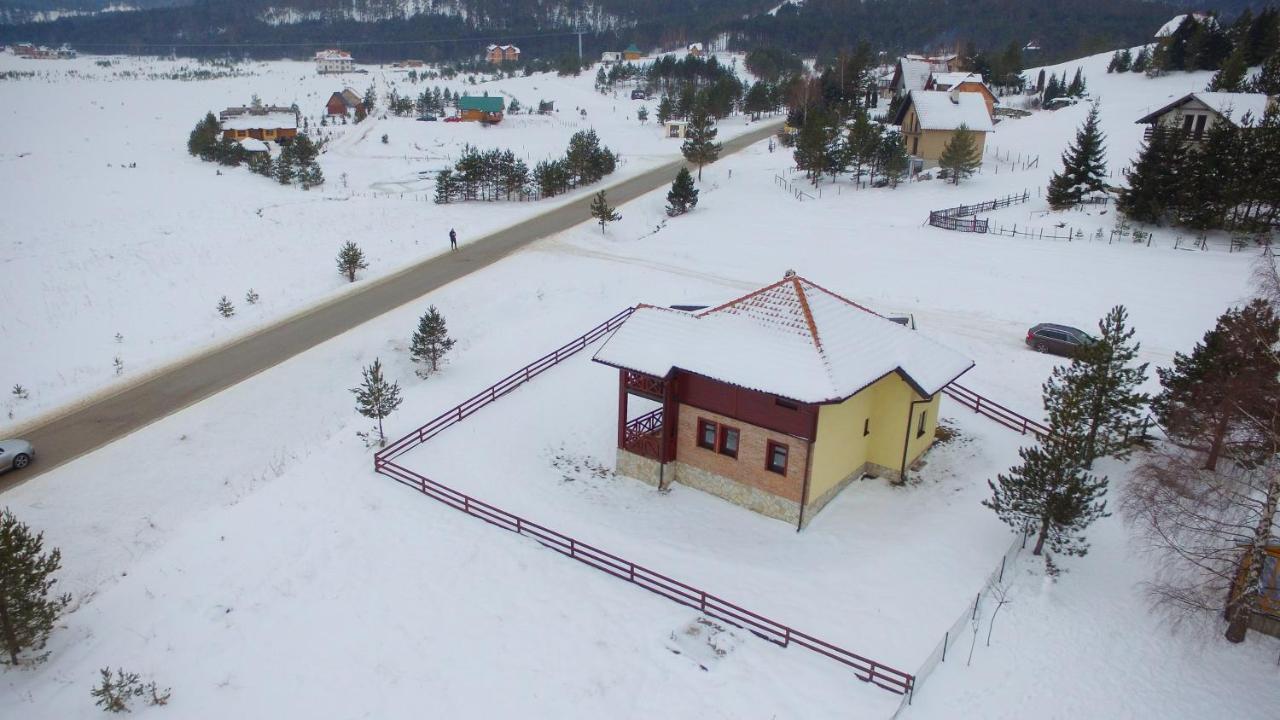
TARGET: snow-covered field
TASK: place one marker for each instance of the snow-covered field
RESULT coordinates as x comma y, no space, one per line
93,246
244,553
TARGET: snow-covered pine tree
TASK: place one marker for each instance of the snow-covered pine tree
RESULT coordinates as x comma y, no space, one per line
351,259
1141,60
1114,65
283,171
1084,166
1126,61
431,340
1049,494
666,110
862,143
370,101
376,398
1211,397
251,297
700,146
812,145
446,186
27,610
960,158
683,196
1108,382
642,114
225,308
602,211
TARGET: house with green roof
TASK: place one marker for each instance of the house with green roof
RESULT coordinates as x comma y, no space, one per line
632,52
481,109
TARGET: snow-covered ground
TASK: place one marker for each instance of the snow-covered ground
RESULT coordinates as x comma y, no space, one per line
244,553
92,246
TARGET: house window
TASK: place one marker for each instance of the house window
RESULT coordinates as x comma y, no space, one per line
1186,122
1200,121
706,434
866,427
728,441
782,402
776,459
920,425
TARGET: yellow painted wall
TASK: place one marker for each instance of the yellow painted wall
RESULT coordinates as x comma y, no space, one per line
841,448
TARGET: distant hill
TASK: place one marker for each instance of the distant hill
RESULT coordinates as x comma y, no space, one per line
381,30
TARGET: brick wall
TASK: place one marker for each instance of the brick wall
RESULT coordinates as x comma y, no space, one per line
749,467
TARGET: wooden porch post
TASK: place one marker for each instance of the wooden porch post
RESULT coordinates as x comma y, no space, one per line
622,408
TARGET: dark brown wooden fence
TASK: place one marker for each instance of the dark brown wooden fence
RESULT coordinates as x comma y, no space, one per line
961,218
995,411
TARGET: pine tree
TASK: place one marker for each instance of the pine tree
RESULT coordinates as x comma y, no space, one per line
225,308
602,211
602,81
376,398
642,114
666,110
251,297
431,340
812,145
27,611
370,101
283,171
1106,386
862,143
1141,60
1084,166
446,186
1267,81
1231,76
1212,398
1077,86
1153,179
700,146
202,139
1114,65
683,196
1050,494
351,259
892,157
960,158
1126,61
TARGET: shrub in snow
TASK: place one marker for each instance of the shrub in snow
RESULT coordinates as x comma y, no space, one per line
385,140
27,610
113,693
225,308
118,364
351,259
960,158
251,297
19,392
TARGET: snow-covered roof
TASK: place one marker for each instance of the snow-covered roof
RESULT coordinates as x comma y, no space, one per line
503,48
915,73
792,338
253,145
333,55
947,110
1175,22
254,121
947,80
695,47
1232,105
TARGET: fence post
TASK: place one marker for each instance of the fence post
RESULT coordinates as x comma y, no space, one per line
975,606
1001,578
573,548
702,600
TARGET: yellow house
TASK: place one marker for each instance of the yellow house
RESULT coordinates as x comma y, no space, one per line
776,400
930,118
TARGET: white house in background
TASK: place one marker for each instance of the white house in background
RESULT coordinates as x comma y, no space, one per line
930,118
696,50
334,61
1176,21
1196,113
609,57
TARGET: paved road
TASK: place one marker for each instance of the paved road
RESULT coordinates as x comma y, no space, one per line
68,436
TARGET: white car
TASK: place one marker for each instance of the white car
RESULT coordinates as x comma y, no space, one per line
15,454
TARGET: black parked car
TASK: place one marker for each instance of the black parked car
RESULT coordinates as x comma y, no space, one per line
1057,339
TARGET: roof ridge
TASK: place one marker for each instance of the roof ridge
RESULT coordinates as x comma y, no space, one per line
842,298
808,314
748,296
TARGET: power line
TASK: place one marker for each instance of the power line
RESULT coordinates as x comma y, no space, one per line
314,43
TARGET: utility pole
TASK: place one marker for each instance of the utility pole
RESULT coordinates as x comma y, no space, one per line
579,44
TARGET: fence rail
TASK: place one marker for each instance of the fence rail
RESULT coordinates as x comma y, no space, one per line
961,217
864,668
995,411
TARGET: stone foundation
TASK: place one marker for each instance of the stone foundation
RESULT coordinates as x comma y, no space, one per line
647,471
738,493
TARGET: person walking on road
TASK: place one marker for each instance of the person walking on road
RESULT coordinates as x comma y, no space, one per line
453,239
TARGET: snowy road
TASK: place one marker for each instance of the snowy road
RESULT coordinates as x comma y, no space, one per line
103,419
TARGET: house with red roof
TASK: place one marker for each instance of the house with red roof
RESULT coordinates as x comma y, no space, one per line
776,400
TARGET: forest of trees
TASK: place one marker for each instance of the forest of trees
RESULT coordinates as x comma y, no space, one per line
1065,28
500,175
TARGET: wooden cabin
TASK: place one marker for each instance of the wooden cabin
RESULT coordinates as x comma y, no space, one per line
277,124
1194,114
632,53
776,400
497,54
343,103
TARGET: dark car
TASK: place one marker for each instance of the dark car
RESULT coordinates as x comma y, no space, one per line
427,118
1057,339
639,94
